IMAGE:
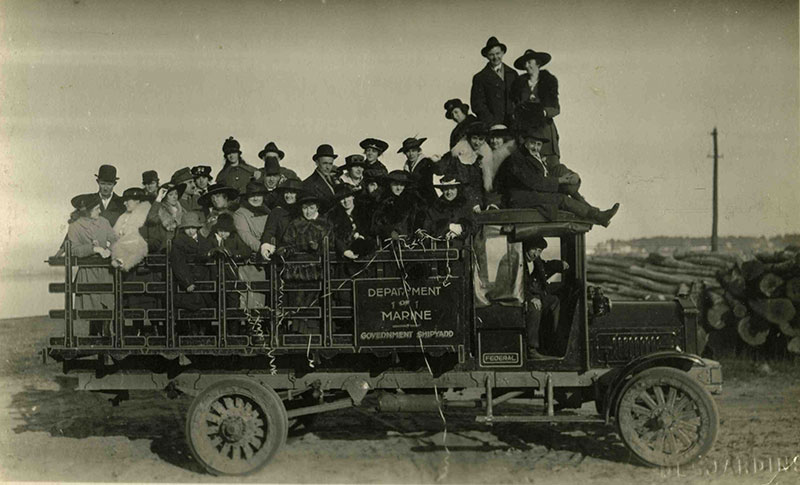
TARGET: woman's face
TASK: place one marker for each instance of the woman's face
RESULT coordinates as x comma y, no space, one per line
290,197
131,204
458,115
348,202
496,142
94,212
256,200
219,201
450,193
397,188
310,210
532,67
412,154
172,197
232,157
356,171
476,141
371,154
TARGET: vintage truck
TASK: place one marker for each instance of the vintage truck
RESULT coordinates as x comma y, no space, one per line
417,326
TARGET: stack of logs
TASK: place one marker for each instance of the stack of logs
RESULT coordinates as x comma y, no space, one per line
755,296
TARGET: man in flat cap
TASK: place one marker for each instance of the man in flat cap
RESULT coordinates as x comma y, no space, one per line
111,204
374,148
491,87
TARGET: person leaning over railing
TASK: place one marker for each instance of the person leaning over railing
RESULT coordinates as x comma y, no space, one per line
91,236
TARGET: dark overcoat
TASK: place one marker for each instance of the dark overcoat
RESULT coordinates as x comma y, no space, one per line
421,175
277,222
347,226
401,214
186,259
490,96
523,184
546,95
115,209
315,184
443,212
236,177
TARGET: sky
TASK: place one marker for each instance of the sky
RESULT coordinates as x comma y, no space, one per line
160,85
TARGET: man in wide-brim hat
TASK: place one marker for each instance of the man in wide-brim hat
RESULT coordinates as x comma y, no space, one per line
490,95
374,148
321,182
458,111
111,204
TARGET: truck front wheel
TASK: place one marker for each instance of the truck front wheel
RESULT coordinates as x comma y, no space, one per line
235,427
666,417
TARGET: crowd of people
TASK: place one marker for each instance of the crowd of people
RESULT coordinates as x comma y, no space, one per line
505,155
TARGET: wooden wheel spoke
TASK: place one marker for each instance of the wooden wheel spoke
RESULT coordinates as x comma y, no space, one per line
641,410
673,444
219,408
237,451
248,450
226,450
671,396
681,404
659,395
254,442
683,437
687,416
228,402
688,425
659,441
213,418
644,396
215,442
258,432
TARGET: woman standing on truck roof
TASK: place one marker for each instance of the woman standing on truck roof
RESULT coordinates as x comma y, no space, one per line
534,96
91,236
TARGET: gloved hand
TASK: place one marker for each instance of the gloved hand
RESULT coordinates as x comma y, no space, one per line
349,254
456,229
266,250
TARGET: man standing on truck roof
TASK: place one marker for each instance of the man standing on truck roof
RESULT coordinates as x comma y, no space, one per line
538,301
491,87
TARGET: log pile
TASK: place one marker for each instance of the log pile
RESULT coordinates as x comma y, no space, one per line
746,299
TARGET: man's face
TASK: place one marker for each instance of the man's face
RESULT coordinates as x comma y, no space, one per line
458,115
290,197
533,145
450,193
106,188
356,171
533,253
232,157
495,55
397,188
371,154
201,182
348,202
219,201
271,181
476,141
151,187
325,165
310,210
412,154
190,187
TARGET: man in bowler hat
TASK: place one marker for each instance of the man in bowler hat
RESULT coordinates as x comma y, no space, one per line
321,183
491,87
111,204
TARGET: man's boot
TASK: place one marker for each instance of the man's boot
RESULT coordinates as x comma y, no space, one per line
604,217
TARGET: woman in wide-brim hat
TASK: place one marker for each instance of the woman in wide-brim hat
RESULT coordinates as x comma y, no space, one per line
165,214
399,212
534,96
280,216
91,235
306,232
450,217
130,248
208,199
250,219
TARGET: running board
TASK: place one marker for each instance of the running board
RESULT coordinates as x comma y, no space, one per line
539,419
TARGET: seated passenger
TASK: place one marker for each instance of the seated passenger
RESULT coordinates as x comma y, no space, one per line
130,248
526,182
539,302
91,236
307,231
351,225
353,169
450,217
280,217
397,213
458,111
189,251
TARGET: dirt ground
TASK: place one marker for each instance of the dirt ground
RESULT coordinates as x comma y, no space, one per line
52,433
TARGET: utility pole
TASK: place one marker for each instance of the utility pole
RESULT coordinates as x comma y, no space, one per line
714,216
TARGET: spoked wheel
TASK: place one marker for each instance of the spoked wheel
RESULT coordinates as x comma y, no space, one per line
666,417
235,427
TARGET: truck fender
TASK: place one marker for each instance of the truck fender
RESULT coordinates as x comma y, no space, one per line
666,358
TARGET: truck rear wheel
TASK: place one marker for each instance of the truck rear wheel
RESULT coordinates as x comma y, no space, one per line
235,427
666,417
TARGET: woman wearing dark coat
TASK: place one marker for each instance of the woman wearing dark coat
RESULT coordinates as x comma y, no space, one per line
398,213
351,225
450,217
458,111
189,251
535,99
280,217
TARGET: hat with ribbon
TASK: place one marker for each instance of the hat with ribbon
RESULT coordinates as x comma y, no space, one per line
202,171
85,201
477,128
490,44
107,173
375,143
170,186
324,150
355,160
271,147
542,58
343,191
218,188
499,130
290,185
410,143
149,176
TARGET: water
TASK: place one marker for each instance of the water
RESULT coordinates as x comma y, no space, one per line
27,295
